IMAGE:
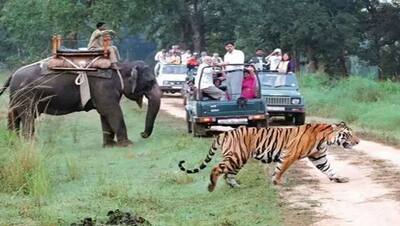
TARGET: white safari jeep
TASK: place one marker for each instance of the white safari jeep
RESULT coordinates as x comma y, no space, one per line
171,77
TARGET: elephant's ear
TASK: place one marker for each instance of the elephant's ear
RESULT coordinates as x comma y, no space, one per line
133,79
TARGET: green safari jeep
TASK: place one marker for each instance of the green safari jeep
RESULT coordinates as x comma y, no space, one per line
202,111
283,97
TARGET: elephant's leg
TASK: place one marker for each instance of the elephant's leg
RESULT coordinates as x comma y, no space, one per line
28,125
14,120
108,133
116,121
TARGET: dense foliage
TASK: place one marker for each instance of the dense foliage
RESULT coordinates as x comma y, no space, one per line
372,106
324,32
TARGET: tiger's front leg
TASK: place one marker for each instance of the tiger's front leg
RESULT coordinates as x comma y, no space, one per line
320,161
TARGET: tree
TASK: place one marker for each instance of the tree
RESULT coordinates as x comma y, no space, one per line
381,44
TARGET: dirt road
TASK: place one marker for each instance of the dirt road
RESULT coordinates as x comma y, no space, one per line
372,197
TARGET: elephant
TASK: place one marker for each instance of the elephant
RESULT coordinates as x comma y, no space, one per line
32,93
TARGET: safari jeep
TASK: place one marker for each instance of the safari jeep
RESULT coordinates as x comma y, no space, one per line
171,77
282,95
202,111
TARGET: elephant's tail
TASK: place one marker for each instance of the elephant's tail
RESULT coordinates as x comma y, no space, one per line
5,86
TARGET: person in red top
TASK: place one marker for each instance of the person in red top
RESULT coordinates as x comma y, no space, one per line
249,83
192,62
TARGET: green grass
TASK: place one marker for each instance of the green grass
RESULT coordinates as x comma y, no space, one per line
70,176
370,105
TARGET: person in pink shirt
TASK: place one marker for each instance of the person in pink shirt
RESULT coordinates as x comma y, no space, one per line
249,83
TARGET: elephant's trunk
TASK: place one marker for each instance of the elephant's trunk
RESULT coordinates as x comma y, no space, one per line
154,100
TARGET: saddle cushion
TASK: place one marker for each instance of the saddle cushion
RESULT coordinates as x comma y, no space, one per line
81,61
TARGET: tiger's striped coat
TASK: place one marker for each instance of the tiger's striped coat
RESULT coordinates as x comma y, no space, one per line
281,145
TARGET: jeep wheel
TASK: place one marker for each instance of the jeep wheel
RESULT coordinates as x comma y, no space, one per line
259,124
189,123
289,119
198,129
184,100
300,119
262,124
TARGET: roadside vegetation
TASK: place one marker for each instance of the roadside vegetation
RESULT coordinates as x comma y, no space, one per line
65,175
372,106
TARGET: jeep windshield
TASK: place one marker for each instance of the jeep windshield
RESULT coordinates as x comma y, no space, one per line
275,80
174,69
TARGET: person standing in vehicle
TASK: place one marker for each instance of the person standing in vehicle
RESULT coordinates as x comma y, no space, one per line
202,55
258,60
159,58
273,59
175,58
185,57
249,84
216,58
233,73
207,80
96,42
287,65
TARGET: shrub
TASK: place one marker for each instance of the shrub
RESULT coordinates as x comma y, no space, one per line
22,167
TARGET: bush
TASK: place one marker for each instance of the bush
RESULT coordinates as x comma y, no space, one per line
22,167
367,103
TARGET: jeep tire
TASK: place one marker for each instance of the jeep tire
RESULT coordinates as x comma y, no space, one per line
198,129
188,123
300,119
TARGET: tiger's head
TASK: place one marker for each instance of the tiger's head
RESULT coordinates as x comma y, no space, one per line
343,136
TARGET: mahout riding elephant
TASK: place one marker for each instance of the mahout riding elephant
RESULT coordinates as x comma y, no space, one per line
32,93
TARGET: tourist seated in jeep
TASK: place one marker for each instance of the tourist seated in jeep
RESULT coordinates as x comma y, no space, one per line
206,84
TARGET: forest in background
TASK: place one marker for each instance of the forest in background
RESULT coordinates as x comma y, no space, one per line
322,33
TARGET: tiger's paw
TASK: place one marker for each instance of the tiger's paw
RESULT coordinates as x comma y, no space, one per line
232,183
276,181
236,185
340,179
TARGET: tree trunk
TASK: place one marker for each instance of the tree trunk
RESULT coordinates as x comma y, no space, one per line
195,20
312,60
342,66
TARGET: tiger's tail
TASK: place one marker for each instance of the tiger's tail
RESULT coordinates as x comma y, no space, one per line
216,143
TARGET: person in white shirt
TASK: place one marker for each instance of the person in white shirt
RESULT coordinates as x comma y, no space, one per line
258,60
274,59
159,55
185,57
206,82
159,58
234,74
202,55
216,58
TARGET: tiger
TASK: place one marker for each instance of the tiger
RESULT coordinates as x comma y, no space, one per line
282,145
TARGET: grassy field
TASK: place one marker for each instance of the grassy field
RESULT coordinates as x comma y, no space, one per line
371,106
65,176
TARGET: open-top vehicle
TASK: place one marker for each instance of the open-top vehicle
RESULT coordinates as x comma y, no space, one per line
282,95
171,77
202,111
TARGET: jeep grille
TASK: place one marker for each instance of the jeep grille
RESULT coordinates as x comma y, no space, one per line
278,100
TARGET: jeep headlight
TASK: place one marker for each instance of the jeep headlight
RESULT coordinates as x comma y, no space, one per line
295,101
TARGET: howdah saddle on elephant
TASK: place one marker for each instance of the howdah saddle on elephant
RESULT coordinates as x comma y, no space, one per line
57,90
